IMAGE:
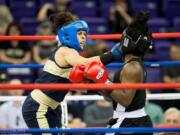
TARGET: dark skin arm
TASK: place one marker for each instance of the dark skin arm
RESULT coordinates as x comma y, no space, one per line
106,93
131,73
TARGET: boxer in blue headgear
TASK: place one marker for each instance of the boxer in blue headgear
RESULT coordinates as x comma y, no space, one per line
41,108
67,35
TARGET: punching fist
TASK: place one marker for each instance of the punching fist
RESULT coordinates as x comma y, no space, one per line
96,72
77,74
116,52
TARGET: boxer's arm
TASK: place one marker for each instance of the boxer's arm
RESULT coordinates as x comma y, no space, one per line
131,73
72,57
107,92
75,58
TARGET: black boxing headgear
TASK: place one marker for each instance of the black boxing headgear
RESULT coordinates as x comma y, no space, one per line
136,39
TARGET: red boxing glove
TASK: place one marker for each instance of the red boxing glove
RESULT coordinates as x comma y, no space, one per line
77,74
96,72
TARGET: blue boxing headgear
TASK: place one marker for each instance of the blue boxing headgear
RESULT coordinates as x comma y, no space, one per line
67,35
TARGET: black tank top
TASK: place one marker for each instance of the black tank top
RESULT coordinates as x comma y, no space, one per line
53,73
139,99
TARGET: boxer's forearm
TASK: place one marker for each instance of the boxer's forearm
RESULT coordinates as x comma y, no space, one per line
105,93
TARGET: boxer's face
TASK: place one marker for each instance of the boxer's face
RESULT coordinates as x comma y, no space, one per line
82,37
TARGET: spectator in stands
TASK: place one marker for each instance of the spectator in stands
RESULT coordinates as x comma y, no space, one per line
4,79
76,108
155,112
48,9
10,112
76,123
42,49
14,52
98,113
5,17
172,116
120,16
171,74
2,30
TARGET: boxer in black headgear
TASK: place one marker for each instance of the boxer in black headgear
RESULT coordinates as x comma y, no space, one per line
128,104
136,39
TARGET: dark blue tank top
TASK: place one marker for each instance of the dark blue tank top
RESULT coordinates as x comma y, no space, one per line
53,73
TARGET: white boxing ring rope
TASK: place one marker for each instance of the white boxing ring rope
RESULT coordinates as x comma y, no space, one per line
166,96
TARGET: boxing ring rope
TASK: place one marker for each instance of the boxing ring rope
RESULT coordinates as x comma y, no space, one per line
113,65
62,86
90,130
166,96
98,36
